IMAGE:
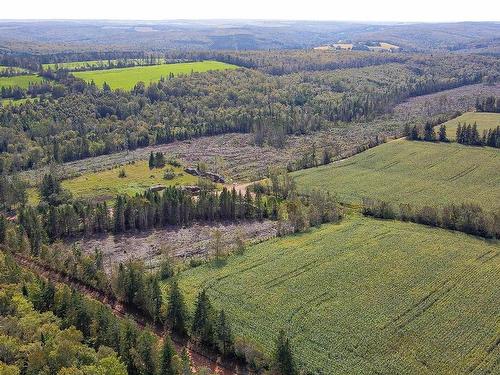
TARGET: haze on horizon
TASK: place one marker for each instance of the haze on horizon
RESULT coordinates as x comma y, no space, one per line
320,10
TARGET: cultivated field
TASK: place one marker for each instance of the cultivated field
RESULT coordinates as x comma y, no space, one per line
21,81
126,78
105,185
88,64
412,172
365,296
484,121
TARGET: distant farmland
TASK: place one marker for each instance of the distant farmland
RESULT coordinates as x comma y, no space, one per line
412,172
365,297
126,78
20,81
485,121
88,64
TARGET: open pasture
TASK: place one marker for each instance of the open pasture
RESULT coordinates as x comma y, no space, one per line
126,78
20,81
365,296
89,64
421,173
106,185
484,121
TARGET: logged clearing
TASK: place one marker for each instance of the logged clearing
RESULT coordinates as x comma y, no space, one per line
126,78
484,121
421,173
365,296
20,81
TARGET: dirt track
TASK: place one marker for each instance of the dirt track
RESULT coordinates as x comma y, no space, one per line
199,358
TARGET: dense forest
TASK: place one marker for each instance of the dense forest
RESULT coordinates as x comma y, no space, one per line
72,120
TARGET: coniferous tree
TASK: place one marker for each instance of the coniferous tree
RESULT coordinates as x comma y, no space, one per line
224,334
442,134
284,362
203,326
167,357
151,162
177,311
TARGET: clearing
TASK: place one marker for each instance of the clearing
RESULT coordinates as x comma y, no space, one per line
126,78
89,64
106,185
20,81
365,296
484,121
421,173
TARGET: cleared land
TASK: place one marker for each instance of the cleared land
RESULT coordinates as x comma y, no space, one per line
365,296
13,68
484,121
88,64
195,240
126,78
105,185
412,172
20,81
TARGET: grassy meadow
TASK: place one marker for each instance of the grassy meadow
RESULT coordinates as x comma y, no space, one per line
126,78
21,81
86,64
365,296
105,185
14,68
6,102
484,120
412,172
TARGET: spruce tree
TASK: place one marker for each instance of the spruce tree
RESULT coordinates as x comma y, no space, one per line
203,326
224,334
177,312
442,134
151,162
284,362
167,356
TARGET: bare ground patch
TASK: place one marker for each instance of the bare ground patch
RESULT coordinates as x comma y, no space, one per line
181,242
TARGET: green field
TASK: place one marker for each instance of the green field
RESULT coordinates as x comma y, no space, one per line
6,102
485,121
105,185
21,81
86,64
365,297
412,172
126,78
14,68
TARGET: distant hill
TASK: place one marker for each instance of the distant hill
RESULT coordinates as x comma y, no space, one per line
66,36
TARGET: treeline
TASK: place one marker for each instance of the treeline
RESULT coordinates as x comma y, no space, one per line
87,121
466,134
466,217
488,104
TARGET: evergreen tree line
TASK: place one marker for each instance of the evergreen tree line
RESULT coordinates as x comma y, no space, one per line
488,104
469,135
466,217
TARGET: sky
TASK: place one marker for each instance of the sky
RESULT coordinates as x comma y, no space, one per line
344,10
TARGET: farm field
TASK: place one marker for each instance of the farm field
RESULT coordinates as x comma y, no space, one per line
420,173
126,78
21,81
365,296
105,185
484,120
86,64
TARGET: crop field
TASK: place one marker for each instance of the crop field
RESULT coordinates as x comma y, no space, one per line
105,185
87,64
126,78
412,172
21,81
365,296
484,121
